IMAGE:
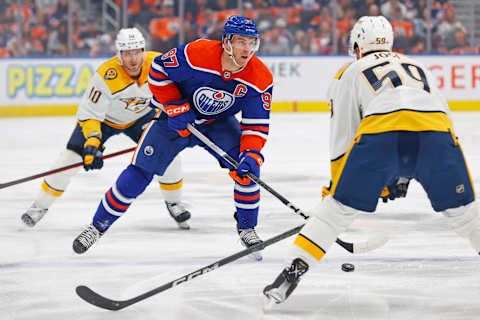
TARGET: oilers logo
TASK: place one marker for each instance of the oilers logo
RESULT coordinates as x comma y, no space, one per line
210,101
136,104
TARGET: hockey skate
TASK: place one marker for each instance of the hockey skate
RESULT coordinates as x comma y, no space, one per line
86,239
33,215
249,238
285,283
178,212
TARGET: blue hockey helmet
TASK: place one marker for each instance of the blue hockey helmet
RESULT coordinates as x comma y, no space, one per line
238,25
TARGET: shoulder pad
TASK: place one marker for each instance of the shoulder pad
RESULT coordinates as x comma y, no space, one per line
109,70
204,55
113,75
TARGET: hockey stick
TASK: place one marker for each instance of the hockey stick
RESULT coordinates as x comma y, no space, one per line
71,166
98,300
362,247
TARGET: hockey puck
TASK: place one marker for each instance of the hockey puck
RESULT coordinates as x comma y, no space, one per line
348,267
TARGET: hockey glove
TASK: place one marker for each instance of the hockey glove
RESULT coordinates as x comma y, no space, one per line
179,116
92,154
250,161
398,189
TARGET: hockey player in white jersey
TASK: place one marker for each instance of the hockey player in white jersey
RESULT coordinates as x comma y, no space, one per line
116,101
389,124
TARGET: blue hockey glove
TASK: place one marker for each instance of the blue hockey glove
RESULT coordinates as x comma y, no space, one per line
398,189
250,161
179,116
92,154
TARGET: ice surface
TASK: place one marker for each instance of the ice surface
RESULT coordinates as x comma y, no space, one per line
424,272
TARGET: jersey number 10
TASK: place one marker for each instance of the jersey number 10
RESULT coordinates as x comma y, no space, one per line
412,71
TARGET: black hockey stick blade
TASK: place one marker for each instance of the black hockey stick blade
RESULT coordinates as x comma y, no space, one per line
100,301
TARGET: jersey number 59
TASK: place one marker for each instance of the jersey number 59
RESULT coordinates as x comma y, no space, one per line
391,75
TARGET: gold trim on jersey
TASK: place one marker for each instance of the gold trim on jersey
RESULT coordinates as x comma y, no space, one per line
51,191
122,80
341,71
400,120
405,120
119,126
309,246
171,186
338,165
335,165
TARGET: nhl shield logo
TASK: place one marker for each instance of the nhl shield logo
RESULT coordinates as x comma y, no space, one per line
209,101
148,150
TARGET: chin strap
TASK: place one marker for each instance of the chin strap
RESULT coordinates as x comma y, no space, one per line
230,53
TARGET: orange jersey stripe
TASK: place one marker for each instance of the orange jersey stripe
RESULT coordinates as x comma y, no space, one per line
158,74
259,128
166,93
248,198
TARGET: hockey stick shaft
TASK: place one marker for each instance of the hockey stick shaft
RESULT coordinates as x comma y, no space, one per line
234,163
53,171
94,298
346,245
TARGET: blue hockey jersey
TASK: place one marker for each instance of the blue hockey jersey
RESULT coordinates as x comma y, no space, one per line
194,72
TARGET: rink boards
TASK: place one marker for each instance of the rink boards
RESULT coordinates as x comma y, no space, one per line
54,86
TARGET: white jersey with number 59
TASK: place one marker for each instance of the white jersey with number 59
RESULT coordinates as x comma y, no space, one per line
382,92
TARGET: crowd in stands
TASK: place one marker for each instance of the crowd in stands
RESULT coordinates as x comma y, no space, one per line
288,27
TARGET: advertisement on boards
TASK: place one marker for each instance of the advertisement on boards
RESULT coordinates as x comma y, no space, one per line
50,86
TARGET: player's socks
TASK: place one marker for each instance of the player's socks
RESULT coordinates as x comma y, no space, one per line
116,201
286,282
178,212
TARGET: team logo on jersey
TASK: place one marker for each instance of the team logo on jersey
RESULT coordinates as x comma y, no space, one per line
111,74
136,105
210,101
148,150
227,75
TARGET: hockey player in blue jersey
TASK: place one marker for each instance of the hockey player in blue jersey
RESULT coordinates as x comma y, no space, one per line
388,125
204,83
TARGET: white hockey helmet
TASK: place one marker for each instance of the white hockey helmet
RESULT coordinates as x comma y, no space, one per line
129,39
371,33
